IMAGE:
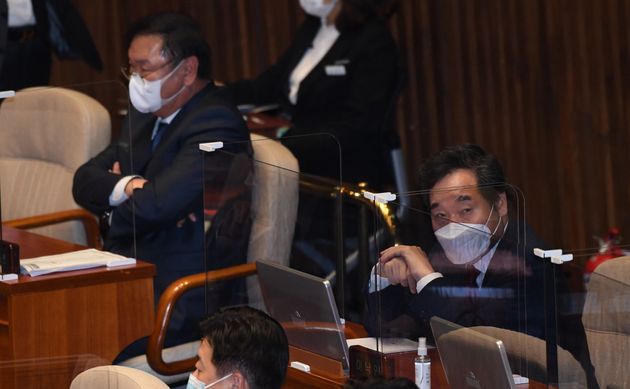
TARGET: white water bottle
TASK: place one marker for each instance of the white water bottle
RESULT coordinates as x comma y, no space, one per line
422,365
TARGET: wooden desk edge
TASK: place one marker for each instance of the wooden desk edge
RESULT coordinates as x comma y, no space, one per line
78,278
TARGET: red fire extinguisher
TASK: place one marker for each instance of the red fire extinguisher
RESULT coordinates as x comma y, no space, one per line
608,249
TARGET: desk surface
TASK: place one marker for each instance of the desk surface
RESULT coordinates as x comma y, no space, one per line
54,326
297,379
265,124
34,245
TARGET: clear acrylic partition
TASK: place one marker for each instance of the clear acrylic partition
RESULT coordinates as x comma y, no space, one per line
594,313
479,241
47,133
259,205
318,246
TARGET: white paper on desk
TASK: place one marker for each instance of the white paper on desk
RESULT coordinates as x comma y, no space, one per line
386,345
75,260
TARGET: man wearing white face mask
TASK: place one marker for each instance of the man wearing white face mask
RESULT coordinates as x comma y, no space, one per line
481,271
242,348
148,184
469,224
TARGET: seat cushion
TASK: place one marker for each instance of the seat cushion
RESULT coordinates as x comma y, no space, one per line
116,377
606,319
34,187
171,354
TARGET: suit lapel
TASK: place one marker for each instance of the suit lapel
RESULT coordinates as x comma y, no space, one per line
141,145
337,52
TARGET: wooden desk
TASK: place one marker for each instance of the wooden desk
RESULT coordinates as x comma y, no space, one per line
265,124
54,326
297,379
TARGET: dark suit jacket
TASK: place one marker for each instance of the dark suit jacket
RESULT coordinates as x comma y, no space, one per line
350,107
512,272
511,297
74,40
28,63
174,171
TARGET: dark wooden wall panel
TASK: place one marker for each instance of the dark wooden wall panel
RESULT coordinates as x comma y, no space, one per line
543,84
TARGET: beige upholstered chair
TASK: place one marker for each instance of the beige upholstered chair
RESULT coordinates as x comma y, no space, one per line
274,211
527,357
47,133
606,319
274,206
116,377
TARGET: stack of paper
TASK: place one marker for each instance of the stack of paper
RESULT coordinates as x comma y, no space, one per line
75,260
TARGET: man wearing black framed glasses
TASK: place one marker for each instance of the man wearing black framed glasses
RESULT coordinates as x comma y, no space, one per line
149,184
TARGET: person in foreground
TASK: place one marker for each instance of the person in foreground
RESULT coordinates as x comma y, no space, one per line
242,348
148,185
481,272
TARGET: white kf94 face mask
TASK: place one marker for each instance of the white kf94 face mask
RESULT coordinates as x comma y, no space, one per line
317,7
146,96
195,383
465,243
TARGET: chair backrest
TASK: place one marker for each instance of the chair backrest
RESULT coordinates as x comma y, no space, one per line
116,377
274,205
47,134
528,357
606,319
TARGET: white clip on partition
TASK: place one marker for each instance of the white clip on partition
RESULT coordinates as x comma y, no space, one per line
300,366
555,255
6,93
211,146
382,198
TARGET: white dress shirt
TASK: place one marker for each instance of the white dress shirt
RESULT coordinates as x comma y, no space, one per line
21,13
325,38
481,265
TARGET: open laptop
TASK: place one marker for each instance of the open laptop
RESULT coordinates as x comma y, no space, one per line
306,308
471,359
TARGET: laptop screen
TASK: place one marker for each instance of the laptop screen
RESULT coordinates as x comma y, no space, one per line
471,359
306,308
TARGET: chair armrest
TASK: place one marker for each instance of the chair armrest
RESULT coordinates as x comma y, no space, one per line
171,295
90,223
165,308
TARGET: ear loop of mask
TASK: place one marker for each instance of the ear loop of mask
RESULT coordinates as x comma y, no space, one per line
491,235
169,99
219,380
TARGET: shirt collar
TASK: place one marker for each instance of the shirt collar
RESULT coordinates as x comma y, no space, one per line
483,264
169,118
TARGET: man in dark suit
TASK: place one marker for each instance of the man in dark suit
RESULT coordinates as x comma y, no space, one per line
478,250
38,28
149,184
482,272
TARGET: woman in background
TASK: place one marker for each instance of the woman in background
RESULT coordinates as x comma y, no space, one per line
337,77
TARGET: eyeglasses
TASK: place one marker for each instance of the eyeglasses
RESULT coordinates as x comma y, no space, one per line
128,71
